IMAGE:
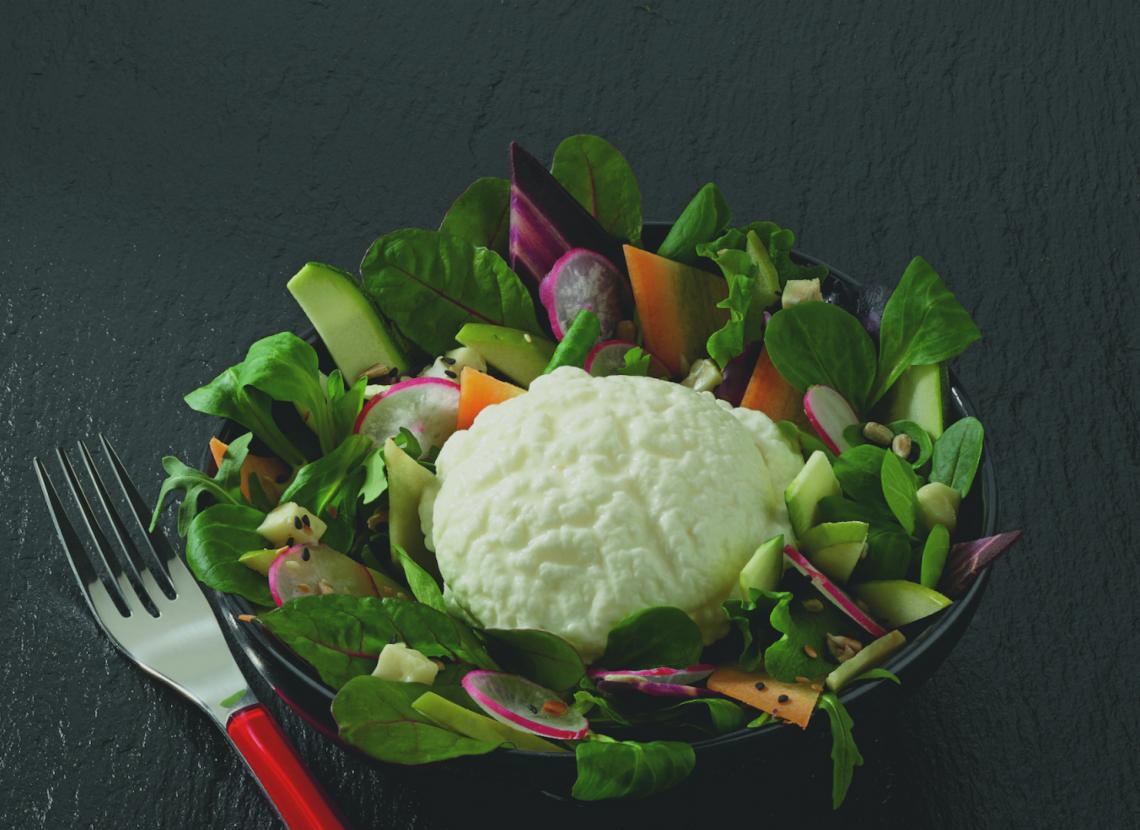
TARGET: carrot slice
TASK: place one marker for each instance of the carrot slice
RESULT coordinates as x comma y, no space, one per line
768,392
792,702
478,390
269,471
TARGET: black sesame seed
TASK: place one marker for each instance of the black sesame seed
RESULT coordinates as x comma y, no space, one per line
533,709
783,699
450,374
450,361
305,520
760,685
305,554
297,522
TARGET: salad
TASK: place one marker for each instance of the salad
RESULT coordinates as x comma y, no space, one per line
536,486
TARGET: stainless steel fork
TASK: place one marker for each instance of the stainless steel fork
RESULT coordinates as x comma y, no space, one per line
154,612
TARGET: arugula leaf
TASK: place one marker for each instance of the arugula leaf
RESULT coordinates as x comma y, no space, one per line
752,617
900,489
787,658
934,554
377,717
224,487
536,655
919,436
816,342
598,176
481,214
341,636
704,218
957,454
635,362
330,487
430,283
653,637
424,587
844,753
922,323
577,342
216,538
619,769
878,674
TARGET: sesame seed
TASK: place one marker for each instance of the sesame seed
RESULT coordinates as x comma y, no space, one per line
305,555
811,652
783,699
449,361
305,520
801,679
450,374
297,522
760,685
246,617
289,542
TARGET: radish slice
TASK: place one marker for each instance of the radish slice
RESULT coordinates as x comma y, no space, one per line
428,407
833,592
830,414
518,702
664,674
648,687
581,279
306,570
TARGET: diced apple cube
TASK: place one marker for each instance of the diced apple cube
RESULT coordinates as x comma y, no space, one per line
291,524
404,665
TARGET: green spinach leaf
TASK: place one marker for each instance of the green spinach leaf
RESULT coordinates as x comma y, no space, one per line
858,470
934,553
377,717
919,436
957,455
703,219
844,753
598,176
217,537
537,655
430,283
900,489
481,214
621,769
922,324
661,636
816,342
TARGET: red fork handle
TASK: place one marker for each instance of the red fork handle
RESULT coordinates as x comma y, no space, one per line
294,794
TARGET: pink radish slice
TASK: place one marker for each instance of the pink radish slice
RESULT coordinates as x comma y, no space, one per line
518,702
663,674
647,687
833,592
830,414
427,407
582,279
306,570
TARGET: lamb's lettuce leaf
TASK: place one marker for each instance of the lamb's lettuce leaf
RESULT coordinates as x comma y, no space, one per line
703,219
428,284
957,454
900,490
620,769
424,587
217,537
599,177
922,324
481,214
816,342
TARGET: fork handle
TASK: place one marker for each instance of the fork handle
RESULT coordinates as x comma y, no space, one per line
297,798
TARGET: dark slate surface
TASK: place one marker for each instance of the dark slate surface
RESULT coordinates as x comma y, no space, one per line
165,167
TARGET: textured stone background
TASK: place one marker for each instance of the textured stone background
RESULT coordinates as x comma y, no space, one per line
164,167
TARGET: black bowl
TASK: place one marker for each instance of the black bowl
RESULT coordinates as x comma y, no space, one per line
928,642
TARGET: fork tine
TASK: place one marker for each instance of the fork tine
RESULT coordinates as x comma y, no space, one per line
87,577
151,578
106,554
163,553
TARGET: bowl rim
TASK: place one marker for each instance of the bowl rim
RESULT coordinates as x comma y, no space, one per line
260,646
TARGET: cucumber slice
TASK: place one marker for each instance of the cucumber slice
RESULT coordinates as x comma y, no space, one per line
897,602
872,655
351,329
407,480
919,395
764,569
811,485
519,355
